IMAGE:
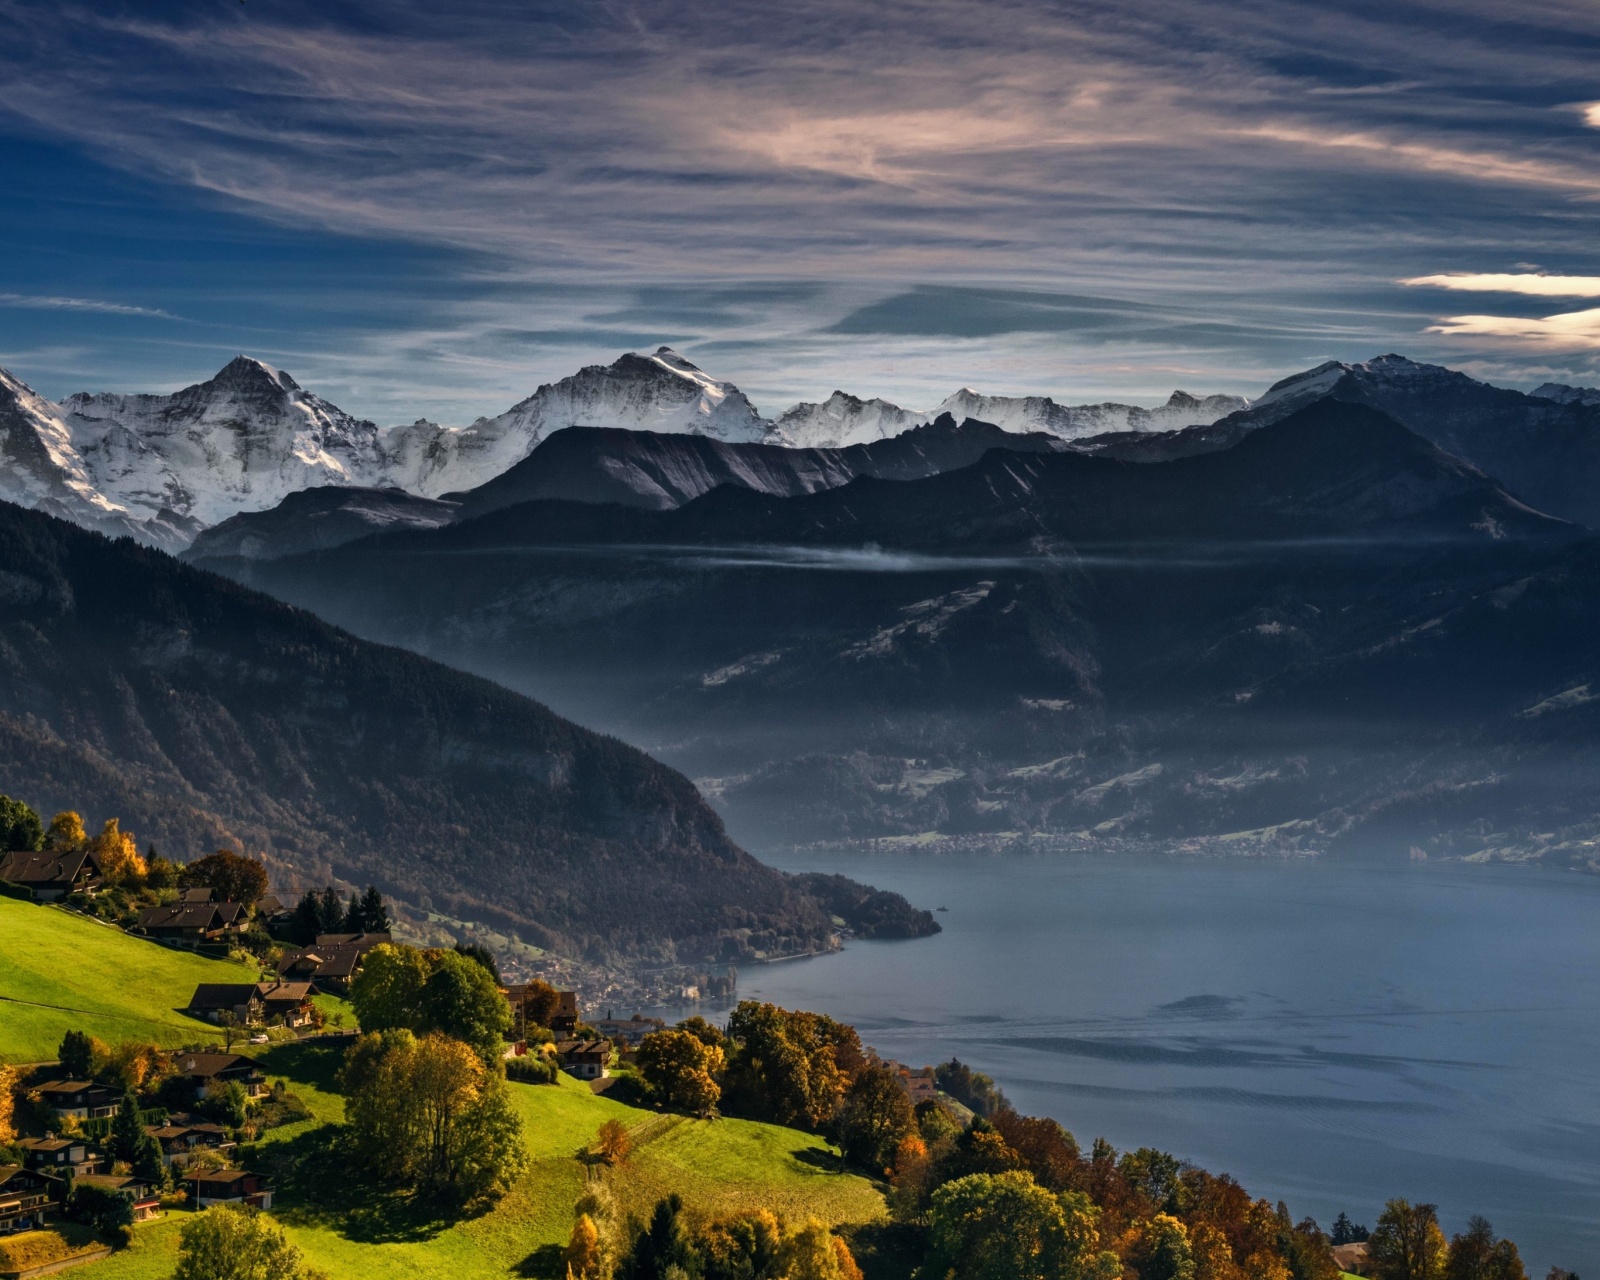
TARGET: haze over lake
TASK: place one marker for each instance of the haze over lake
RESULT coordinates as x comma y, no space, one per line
1332,1033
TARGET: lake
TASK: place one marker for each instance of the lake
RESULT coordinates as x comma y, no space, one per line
1331,1033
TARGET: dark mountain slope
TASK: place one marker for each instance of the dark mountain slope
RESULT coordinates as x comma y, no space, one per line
318,518
1329,623
199,712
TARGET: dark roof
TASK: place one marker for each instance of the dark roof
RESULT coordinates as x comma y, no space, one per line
41,868
281,992
565,1047
72,1086
212,1064
226,1177
365,941
190,915
223,995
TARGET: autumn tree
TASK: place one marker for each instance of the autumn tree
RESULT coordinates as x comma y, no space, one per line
117,855
1478,1254
20,828
1007,1227
583,1254
229,1243
8,1104
972,1089
232,877
681,1069
812,1253
539,1003
786,1066
424,991
1159,1249
1047,1150
66,833
612,1142
873,1117
745,1245
428,1114
1407,1243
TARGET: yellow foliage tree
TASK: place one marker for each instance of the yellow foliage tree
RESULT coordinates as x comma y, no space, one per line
809,1254
8,1104
116,854
66,833
612,1142
584,1257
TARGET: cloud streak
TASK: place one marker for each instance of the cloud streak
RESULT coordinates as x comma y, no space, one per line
1540,286
48,303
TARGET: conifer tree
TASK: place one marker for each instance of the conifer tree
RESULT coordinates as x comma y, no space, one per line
374,914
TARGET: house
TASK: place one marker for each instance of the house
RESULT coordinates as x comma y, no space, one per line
191,923
200,893
1351,1257
50,876
629,1031
228,1186
918,1085
331,962
201,1069
251,1002
24,1199
586,1059
80,1099
62,1157
179,1141
146,1199
273,910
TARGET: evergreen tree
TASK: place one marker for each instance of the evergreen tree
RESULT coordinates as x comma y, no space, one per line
330,911
661,1246
77,1055
306,922
374,914
476,951
20,828
353,915
127,1129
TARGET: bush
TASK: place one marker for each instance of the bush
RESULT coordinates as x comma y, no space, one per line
531,1068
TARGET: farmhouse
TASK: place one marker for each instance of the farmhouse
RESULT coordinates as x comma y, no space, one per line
191,923
80,1099
251,1002
586,1059
332,962
201,1069
629,1030
50,876
66,1157
228,1186
179,1142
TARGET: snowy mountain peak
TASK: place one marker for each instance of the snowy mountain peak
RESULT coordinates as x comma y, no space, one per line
248,373
1562,393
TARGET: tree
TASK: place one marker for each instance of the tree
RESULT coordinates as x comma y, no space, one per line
971,1088
160,873
1478,1254
1407,1243
1346,1232
330,913
809,1254
428,1114
1007,1227
116,853
480,954
583,1257
786,1066
20,828
127,1128
8,1104
224,1102
306,921
1154,1175
1047,1150
230,876
352,915
681,1069
705,1032
662,1245
539,1003
612,1143
108,1211
463,1000
228,1243
78,1054
388,990
1161,1250
742,1247
66,833
375,915
873,1117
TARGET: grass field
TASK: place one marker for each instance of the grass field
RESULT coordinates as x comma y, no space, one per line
718,1166
60,971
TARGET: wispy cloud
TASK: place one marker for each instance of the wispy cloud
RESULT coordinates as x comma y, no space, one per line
44,302
1568,331
1535,285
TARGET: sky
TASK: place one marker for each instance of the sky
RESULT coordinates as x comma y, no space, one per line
431,209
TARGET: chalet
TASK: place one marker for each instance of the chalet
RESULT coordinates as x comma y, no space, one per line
251,1002
192,923
917,1085
586,1059
80,1099
62,1157
1351,1258
199,893
24,1199
333,961
146,1199
201,1069
180,1142
50,876
228,1186
273,910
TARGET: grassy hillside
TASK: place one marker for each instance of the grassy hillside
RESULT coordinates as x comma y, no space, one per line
717,1166
60,971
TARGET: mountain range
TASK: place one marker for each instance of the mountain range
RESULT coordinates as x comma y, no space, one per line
162,467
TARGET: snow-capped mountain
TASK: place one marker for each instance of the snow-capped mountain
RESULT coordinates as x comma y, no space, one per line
843,419
1561,393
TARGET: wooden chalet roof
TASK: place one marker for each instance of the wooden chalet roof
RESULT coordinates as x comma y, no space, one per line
42,868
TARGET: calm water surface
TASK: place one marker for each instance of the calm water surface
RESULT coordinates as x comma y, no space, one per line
1330,1033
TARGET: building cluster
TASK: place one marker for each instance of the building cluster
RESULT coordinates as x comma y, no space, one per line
196,1150
582,1049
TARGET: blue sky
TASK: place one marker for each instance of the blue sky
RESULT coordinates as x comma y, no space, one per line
431,209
